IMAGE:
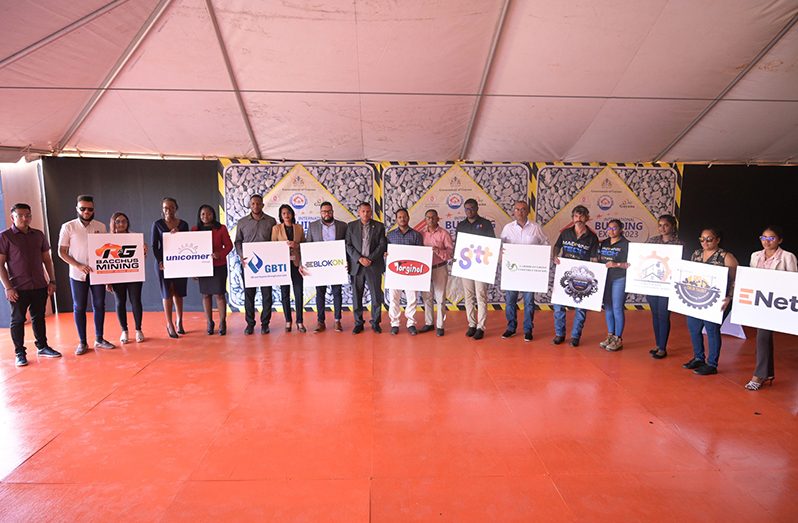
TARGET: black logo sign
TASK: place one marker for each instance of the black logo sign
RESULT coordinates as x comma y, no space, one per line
579,283
697,292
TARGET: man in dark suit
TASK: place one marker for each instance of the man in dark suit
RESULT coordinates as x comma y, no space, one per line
366,245
325,230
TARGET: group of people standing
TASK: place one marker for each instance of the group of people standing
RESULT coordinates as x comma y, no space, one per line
27,274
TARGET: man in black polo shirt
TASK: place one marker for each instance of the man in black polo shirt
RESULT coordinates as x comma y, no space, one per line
475,292
578,243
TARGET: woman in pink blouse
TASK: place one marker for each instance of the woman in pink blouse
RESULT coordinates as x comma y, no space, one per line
773,257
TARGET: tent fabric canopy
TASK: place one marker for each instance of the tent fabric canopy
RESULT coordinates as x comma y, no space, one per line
495,80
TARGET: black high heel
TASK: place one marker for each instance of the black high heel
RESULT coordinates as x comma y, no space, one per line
171,331
180,328
222,328
211,326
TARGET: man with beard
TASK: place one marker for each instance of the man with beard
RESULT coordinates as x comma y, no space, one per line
73,248
327,229
403,234
255,227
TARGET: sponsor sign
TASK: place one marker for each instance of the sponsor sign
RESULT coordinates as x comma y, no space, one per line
766,299
408,267
525,267
476,257
651,268
579,284
266,264
187,254
116,258
698,290
324,263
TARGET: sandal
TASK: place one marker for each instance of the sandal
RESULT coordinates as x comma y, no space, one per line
301,327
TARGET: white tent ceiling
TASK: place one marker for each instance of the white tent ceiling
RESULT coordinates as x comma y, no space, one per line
498,80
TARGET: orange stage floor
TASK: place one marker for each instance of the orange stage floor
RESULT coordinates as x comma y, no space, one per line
336,427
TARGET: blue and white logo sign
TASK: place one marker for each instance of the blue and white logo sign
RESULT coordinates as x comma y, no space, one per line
266,264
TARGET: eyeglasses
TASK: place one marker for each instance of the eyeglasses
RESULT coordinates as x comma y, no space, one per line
612,228
430,217
768,238
706,239
82,209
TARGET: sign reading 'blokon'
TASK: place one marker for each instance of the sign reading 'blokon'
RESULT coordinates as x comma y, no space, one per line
187,254
116,258
766,299
408,268
266,264
324,263
476,257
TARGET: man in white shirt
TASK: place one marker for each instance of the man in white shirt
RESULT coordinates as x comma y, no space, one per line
73,248
525,232
327,229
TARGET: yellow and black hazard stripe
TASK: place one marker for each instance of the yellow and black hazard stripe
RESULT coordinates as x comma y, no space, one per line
379,209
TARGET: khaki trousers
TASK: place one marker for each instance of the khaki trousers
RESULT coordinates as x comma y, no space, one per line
440,278
476,302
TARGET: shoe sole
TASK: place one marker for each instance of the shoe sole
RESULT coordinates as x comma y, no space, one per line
49,355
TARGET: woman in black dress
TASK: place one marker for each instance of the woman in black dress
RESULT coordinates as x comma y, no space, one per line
173,290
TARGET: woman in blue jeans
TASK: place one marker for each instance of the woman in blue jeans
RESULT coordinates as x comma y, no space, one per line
711,253
613,252
660,315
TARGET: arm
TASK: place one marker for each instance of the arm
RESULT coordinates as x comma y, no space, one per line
731,262
47,260
11,292
382,245
351,251
63,253
239,242
226,244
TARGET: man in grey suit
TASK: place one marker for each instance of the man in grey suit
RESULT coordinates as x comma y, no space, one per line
327,229
366,245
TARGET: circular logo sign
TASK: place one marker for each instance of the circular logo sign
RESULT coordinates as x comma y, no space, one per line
605,202
298,200
454,201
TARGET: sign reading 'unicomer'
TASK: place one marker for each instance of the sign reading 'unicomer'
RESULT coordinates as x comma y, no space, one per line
187,254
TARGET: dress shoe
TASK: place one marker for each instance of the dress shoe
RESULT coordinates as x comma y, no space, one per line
654,350
102,343
574,342
171,332
376,328
394,331
358,329
558,340
527,336
693,364
222,328
180,328
659,354
439,332
412,330
48,352
471,331
81,349
249,329
338,326
508,334
426,328
705,370
479,334
264,329
320,327
21,359
211,327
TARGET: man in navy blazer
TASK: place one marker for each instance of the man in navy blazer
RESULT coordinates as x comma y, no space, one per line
366,245
324,230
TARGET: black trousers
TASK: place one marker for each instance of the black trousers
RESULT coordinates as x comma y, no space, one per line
121,292
249,305
35,300
366,276
298,282
321,302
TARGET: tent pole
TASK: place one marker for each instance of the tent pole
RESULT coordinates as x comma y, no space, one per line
231,74
113,73
484,81
728,88
77,24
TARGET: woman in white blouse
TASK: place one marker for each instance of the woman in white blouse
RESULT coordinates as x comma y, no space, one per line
773,257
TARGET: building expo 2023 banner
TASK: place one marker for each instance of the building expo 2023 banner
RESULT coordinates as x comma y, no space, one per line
635,193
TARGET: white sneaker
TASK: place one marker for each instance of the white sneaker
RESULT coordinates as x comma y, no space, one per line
139,336
123,338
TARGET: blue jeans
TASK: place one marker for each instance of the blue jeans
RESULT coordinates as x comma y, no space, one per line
614,301
559,321
661,319
694,325
511,310
80,301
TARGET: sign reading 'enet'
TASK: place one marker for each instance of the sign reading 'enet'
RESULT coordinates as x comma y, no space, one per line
766,299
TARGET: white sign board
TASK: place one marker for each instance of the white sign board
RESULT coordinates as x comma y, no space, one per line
579,284
324,263
266,264
525,267
408,268
698,290
476,257
187,254
766,299
651,268
116,258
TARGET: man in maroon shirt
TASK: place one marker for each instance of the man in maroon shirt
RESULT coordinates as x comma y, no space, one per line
24,256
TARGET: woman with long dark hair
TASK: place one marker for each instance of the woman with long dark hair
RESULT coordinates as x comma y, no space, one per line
613,252
660,315
120,224
215,285
291,232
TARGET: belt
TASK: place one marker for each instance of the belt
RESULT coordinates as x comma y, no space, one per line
441,264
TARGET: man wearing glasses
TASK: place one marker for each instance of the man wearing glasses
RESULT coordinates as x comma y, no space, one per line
475,292
327,229
73,248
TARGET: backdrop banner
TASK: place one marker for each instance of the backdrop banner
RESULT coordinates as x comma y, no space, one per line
766,299
476,257
408,268
579,284
698,290
116,258
651,268
324,263
525,267
187,254
267,264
